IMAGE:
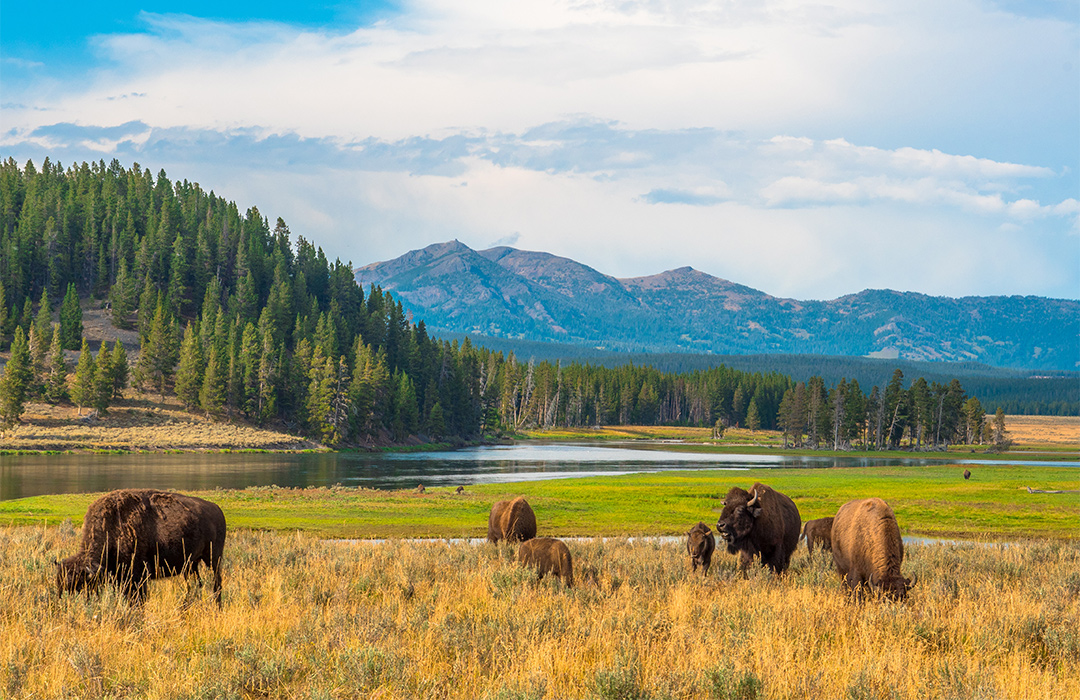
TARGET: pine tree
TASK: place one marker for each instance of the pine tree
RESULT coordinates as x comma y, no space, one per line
82,386
103,385
4,316
56,379
269,363
43,320
37,363
157,360
1002,441
318,408
212,394
189,373
436,426
122,297
120,370
753,418
27,316
250,351
71,328
15,381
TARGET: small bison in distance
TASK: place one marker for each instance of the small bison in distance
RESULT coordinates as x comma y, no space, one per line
760,522
818,532
967,474
511,520
548,556
134,535
700,545
867,549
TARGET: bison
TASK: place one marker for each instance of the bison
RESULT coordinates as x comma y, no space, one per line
460,489
818,531
700,545
511,520
967,474
867,549
548,556
760,522
134,535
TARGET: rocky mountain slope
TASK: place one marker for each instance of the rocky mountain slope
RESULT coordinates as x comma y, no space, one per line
510,293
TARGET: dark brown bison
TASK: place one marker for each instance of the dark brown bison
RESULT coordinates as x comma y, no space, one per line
700,545
818,532
548,556
967,474
760,522
867,549
460,489
134,535
511,520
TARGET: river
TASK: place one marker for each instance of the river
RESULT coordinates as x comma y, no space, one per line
22,476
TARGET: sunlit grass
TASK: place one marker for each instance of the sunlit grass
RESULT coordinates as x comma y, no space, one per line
304,618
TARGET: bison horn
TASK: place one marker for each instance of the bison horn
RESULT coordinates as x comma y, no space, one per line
753,501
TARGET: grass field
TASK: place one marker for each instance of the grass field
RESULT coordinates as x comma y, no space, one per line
311,619
933,501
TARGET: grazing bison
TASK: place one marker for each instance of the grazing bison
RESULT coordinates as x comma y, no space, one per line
700,545
511,520
867,549
419,488
548,556
818,531
133,535
459,489
760,522
967,474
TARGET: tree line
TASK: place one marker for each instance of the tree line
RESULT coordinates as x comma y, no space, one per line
238,320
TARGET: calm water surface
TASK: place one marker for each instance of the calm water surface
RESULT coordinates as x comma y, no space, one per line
35,475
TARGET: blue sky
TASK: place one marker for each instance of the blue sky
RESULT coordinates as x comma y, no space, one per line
805,149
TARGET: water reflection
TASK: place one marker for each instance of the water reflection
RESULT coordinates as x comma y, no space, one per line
35,475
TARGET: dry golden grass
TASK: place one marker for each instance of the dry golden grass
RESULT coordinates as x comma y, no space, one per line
304,618
1043,430
139,422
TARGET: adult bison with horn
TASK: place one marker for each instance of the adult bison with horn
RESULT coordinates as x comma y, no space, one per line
760,522
867,549
133,535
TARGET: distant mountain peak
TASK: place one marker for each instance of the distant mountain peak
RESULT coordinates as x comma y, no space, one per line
511,293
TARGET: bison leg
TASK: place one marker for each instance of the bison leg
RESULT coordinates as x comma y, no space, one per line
705,565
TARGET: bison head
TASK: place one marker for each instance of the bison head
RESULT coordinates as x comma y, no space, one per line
73,575
897,587
741,510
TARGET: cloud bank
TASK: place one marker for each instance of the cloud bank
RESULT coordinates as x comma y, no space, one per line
804,149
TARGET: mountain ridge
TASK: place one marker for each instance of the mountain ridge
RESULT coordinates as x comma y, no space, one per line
533,295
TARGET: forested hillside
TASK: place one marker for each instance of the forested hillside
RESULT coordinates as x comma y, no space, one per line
241,320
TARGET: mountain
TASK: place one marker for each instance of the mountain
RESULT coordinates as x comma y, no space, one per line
508,293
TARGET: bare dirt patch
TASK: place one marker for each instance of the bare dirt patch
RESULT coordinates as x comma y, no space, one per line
140,423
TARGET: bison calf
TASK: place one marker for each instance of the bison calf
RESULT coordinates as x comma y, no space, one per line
700,545
134,535
511,520
818,532
548,556
867,549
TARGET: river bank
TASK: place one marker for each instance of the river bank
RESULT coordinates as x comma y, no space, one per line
929,501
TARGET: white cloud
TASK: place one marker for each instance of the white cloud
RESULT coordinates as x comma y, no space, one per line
787,145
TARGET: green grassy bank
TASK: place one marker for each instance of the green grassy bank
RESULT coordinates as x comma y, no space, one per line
933,501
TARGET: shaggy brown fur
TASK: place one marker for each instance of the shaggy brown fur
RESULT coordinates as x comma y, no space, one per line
134,535
511,520
760,522
460,489
967,474
867,549
548,556
818,532
700,544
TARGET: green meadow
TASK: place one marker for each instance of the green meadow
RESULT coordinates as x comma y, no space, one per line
930,501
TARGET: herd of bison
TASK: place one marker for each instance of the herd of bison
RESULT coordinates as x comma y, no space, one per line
131,536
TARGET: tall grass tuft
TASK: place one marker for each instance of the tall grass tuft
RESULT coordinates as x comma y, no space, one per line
305,618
